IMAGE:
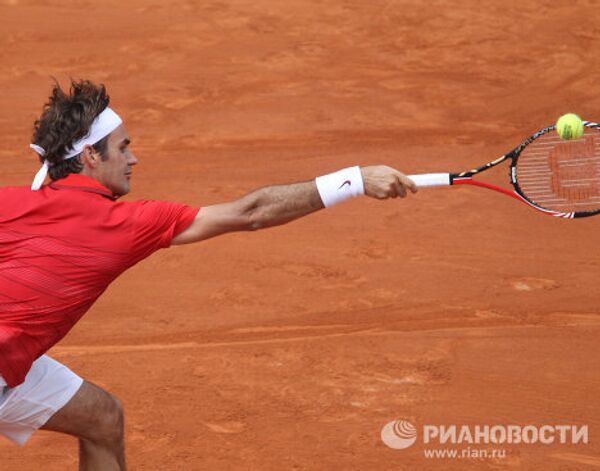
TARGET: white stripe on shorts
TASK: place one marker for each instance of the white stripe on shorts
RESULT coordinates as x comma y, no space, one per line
48,386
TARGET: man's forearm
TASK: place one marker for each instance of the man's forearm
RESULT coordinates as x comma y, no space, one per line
278,204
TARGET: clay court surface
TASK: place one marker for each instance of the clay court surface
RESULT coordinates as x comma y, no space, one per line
290,348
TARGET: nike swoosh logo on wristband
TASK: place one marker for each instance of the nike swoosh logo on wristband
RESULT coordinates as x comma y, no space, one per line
347,182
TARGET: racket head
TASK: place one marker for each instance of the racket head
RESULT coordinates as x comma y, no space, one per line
557,176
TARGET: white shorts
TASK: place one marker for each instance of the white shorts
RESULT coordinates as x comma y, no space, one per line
48,386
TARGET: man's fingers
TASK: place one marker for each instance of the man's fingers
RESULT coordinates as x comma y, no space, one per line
400,188
392,191
407,182
383,182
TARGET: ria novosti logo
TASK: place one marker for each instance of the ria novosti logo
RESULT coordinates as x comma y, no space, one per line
399,434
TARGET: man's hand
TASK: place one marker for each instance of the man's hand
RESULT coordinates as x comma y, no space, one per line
384,182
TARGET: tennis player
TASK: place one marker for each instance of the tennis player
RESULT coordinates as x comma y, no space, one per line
63,243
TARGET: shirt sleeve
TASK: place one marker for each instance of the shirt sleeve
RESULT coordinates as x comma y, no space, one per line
156,223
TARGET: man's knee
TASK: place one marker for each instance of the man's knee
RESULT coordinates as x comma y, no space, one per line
93,415
110,423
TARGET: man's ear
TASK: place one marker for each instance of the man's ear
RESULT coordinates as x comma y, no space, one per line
89,157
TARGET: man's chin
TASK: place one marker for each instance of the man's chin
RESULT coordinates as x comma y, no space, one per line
118,192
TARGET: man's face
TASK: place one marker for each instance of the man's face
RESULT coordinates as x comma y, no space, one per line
115,172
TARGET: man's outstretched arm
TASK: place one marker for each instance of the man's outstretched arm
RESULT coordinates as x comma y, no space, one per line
279,204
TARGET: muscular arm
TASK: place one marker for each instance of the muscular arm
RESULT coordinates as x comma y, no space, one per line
265,207
279,204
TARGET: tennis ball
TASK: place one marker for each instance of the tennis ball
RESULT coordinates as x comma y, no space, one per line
569,126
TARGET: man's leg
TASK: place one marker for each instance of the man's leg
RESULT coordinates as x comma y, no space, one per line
96,418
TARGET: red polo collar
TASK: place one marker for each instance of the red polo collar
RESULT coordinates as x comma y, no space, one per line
75,181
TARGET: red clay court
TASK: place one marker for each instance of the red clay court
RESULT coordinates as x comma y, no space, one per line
292,347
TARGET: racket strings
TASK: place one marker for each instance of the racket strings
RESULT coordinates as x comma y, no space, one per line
561,175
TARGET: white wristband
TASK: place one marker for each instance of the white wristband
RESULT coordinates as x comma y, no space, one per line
340,186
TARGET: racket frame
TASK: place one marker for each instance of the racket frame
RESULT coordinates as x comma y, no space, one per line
513,156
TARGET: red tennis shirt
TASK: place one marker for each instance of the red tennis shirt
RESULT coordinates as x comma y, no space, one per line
60,248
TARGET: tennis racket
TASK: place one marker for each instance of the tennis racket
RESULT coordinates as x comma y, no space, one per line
555,176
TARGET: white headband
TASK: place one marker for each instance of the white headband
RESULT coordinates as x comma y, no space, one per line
105,123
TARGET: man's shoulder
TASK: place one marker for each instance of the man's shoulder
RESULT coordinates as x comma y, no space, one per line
149,208
14,187
20,191
155,211
149,203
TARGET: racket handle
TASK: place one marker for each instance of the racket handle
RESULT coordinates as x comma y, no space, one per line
430,180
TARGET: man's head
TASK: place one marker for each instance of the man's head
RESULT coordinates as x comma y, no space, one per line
112,168
67,118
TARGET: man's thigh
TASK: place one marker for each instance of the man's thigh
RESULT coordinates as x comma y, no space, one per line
91,414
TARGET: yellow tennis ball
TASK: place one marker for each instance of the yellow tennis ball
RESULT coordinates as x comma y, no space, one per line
569,126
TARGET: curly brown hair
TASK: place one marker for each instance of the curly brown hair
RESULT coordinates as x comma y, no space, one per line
65,119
